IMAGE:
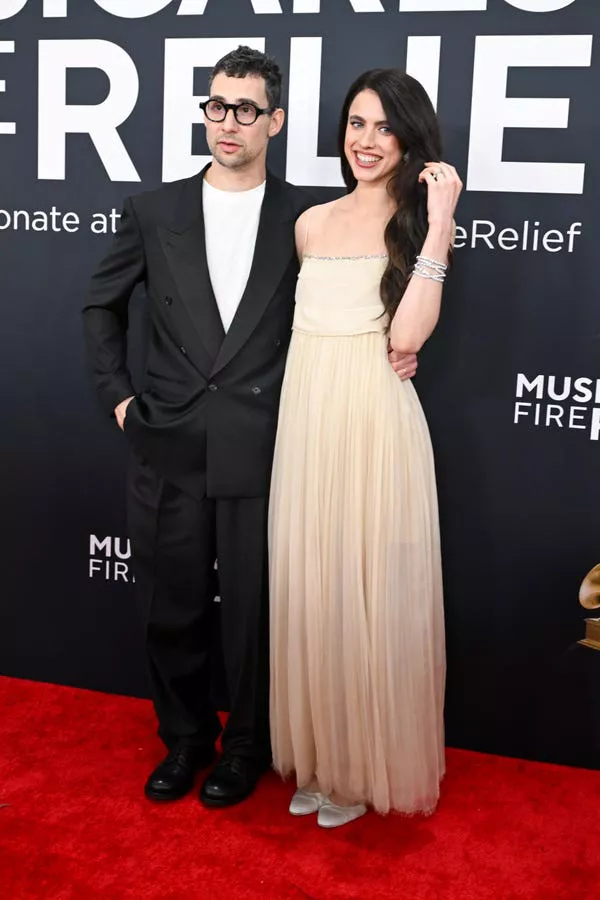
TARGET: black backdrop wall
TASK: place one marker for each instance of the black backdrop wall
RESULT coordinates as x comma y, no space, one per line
98,99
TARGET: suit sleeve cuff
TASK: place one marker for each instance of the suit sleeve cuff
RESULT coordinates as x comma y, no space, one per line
118,391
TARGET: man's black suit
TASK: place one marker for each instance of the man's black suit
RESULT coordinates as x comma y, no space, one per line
202,432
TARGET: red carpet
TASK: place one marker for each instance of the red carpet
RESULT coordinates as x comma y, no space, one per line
74,824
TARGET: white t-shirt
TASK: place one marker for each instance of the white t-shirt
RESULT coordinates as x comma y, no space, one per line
230,225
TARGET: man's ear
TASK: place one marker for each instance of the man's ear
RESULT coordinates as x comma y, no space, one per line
276,123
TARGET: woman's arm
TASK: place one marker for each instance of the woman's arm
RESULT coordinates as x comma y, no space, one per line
419,309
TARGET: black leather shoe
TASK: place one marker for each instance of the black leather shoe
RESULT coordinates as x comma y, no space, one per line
174,777
231,781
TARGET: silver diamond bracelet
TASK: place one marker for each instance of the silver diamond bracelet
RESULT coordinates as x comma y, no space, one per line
430,268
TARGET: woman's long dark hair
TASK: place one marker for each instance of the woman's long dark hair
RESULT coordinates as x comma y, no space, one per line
412,119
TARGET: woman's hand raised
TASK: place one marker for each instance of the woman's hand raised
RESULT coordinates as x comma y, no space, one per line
443,190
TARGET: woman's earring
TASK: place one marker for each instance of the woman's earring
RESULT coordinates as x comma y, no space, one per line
405,156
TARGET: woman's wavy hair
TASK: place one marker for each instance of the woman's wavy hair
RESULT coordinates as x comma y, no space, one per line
412,119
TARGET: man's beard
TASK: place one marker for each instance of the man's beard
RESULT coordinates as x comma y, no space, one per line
237,161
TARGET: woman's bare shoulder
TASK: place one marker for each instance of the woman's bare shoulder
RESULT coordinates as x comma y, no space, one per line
317,221
316,216
318,212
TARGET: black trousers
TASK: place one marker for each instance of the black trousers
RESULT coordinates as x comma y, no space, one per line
176,540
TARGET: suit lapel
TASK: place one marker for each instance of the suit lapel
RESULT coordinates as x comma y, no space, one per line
184,245
273,251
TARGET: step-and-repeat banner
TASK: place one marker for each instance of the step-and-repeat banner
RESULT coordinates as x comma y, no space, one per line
99,99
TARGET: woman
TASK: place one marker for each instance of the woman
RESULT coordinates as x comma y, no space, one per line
357,638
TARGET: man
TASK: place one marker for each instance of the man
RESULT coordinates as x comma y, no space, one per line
216,254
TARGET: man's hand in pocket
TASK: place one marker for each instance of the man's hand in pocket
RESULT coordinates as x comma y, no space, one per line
121,411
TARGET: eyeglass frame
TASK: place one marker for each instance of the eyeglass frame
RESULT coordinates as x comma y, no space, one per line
235,106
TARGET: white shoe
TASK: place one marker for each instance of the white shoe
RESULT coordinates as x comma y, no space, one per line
306,802
332,816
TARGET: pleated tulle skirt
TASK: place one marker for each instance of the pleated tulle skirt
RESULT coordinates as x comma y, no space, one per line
357,630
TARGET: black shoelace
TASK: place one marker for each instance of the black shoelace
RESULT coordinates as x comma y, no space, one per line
236,764
177,757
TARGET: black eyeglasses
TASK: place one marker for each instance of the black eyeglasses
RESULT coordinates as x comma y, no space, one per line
245,113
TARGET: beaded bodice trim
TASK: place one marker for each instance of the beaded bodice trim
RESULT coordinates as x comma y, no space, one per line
342,258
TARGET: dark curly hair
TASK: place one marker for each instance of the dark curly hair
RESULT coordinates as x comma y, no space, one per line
246,61
412,120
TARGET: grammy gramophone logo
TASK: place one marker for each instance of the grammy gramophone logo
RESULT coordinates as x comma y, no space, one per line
589,597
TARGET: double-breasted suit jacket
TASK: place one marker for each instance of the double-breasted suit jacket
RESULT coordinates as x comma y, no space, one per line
206,414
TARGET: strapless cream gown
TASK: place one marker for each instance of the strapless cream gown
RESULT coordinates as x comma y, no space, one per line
357,628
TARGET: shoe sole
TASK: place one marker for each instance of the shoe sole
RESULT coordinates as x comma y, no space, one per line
159,797
341,823
211,803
